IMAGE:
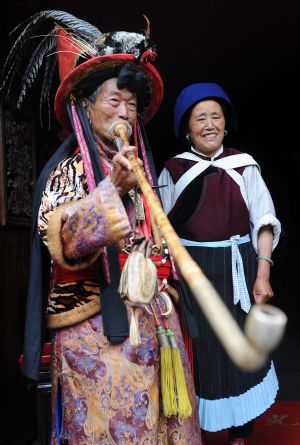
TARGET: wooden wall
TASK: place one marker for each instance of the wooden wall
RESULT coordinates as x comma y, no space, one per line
18,402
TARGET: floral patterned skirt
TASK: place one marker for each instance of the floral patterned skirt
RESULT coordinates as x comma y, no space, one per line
107,395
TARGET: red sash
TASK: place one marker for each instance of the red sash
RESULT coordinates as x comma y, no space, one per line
91,273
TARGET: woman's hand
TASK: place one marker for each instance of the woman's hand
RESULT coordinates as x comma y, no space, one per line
262,290
122,175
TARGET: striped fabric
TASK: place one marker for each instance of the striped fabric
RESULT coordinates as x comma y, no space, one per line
234,411
240,291
228,396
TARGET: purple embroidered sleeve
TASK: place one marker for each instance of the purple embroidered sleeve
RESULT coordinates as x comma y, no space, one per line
94,222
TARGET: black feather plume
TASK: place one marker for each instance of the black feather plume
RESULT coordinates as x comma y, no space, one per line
37,59
34,45
49,72
51,19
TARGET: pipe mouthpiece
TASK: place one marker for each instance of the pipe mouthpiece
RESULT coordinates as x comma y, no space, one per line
119,126
121,129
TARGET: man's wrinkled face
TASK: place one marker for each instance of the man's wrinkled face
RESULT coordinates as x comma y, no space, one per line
111,105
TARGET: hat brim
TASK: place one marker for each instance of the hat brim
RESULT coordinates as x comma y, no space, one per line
100,63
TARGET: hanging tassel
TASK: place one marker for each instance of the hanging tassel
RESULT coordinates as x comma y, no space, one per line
166,374
134,333
184,408
87,163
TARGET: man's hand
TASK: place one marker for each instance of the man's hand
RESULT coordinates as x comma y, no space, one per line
122,175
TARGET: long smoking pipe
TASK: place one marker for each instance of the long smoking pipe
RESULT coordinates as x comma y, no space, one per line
265,324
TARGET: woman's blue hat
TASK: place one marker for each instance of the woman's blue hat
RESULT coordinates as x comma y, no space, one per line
196,92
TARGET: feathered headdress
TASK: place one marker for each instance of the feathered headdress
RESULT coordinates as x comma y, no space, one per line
56,41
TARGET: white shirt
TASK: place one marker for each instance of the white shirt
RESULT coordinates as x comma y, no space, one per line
253,189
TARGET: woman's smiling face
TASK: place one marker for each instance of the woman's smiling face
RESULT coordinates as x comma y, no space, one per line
206,127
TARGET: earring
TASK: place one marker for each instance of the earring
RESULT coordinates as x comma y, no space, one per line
187,137
225,132
88,117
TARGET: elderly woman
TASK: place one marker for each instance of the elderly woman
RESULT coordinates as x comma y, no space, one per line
221,208
108,386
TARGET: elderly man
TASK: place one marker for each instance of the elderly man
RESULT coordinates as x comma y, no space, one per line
108,382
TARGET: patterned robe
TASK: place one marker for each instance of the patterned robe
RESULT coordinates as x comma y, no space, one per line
104,394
